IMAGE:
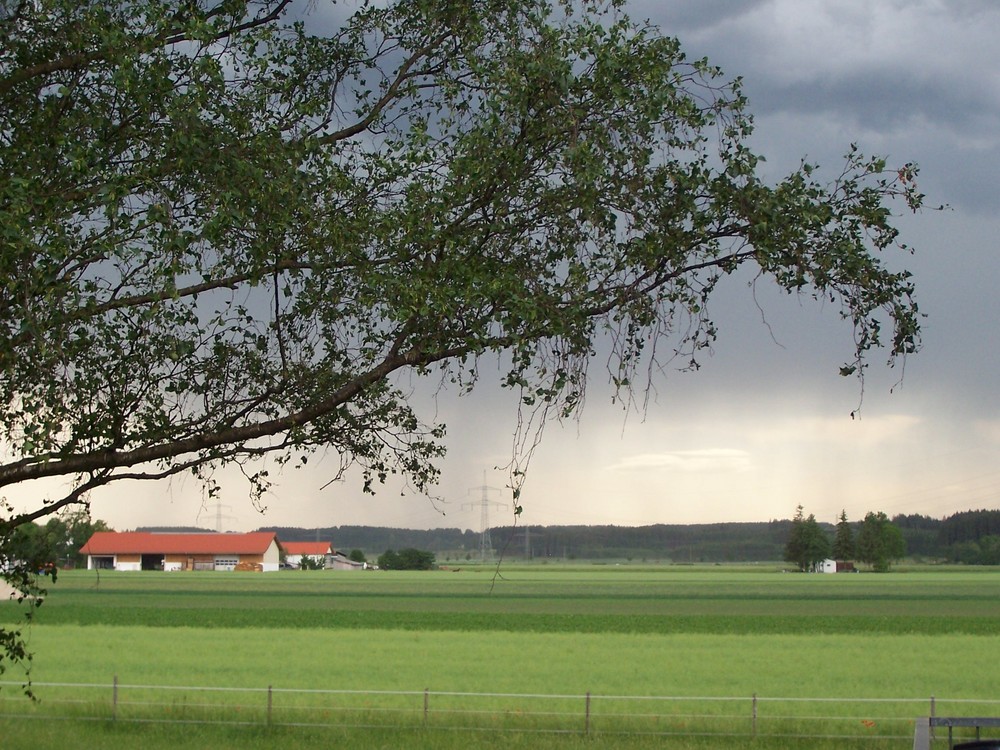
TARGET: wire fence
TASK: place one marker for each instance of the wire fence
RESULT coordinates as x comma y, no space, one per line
588,713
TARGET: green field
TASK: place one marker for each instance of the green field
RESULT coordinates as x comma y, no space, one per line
710,638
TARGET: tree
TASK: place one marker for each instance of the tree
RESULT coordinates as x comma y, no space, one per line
967,553
357,555
984,551
416,559
795,546
69,530
406,559
880,542
308,562
989,547
32,546
388,560
227,233
807,543
843,540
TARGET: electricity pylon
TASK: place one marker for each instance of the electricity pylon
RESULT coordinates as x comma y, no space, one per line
219,516
485,544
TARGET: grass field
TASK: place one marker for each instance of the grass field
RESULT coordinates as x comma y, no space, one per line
716,634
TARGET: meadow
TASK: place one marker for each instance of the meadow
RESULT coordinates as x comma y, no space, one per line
361,655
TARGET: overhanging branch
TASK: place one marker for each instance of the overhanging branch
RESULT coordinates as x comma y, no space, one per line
106,460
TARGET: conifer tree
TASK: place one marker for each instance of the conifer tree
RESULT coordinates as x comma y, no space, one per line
843,540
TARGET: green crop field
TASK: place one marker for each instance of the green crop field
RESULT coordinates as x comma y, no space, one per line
377,658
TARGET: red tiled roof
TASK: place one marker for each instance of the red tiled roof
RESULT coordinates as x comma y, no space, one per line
307,548
148,543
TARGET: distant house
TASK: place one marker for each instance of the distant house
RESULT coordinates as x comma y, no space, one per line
295,551
143,550
835,566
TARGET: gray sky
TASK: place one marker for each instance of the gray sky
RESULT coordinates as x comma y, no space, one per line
765,425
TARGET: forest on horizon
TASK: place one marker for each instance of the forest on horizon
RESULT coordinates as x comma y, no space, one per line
971,537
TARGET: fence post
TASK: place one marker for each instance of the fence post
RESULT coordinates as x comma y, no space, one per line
270,704
586,720
753,716
427,703
114,698
933,708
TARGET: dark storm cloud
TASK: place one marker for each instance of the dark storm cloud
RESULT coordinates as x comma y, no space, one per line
916,81
948,130
877,100
677,17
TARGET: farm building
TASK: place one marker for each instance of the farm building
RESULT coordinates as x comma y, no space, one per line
332,560
834,566
341,561
141,550
295,551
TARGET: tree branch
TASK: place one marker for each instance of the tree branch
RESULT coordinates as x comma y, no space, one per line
79,60
401,76
105,460
70,499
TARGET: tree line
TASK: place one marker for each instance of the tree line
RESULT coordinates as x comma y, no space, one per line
725,542
970,537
